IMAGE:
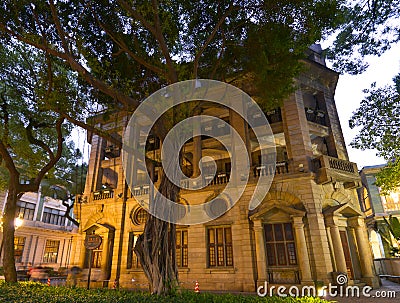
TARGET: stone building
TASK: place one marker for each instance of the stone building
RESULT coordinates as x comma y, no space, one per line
308,228
376,206
45,236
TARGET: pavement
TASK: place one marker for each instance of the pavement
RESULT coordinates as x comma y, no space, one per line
389,292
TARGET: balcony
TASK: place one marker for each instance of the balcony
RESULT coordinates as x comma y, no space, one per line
220,178
331,169
274,116
316,116
103,194
265,170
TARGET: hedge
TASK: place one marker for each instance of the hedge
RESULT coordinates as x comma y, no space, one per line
32,292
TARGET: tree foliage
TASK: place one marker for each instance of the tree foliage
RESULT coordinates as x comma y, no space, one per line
36,92
379,120
368,27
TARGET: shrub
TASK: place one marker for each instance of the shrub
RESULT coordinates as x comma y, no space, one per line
32,292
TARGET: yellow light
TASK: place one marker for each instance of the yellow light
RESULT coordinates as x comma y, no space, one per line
18,222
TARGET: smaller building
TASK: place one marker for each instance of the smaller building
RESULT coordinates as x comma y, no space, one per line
45,237
376,207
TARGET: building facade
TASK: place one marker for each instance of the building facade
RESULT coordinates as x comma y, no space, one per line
308,228
45,236
376,206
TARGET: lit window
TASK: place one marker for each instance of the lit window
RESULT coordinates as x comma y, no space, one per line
51,251
19,243
182,248
219,244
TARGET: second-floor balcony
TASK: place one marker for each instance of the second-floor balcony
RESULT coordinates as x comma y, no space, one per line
330,169
316,116
103,194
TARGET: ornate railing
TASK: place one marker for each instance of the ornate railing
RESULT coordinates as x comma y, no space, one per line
103,194
140,190
274,115
219,178
266,170
316,116
331,169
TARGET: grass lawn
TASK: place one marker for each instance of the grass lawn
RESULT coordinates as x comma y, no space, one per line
31,292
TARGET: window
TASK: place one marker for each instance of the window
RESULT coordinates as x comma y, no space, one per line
182,248
139,216
219,242
51,251
53,216
279,239
25,210
19,243
97,255
132,261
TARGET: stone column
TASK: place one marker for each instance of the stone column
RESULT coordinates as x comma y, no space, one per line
239,124
196,155
337,244
363,247
328,234
302,252
260,252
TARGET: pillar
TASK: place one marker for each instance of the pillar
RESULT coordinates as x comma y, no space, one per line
302,252
328,234
363,247
337,244
260,252
196,155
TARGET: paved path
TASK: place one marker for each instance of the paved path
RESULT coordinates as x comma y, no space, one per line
387,289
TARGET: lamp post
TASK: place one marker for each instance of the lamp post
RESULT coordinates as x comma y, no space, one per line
18,222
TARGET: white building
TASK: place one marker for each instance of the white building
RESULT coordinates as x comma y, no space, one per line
45,236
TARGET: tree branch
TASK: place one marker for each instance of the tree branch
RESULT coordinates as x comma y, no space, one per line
60,139
135,14
37,142
8,159
60,30
125,48
69,207
93,129
210,38
163,44
87,76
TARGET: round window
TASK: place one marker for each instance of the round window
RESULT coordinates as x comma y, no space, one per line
139,216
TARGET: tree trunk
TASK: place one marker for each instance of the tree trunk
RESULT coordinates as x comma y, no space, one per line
10,274
155,248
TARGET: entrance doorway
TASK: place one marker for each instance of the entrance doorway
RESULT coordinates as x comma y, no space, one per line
347,255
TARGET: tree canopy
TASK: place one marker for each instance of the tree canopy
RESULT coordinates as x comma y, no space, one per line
368,27
379,120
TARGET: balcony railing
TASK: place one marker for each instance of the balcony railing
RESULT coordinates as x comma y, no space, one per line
331,169
220,178
103,194
140,190
274,115
266,170
316,116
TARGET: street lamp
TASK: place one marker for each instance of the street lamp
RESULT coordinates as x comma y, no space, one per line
18,222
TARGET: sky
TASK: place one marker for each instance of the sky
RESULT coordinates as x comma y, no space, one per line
349,95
